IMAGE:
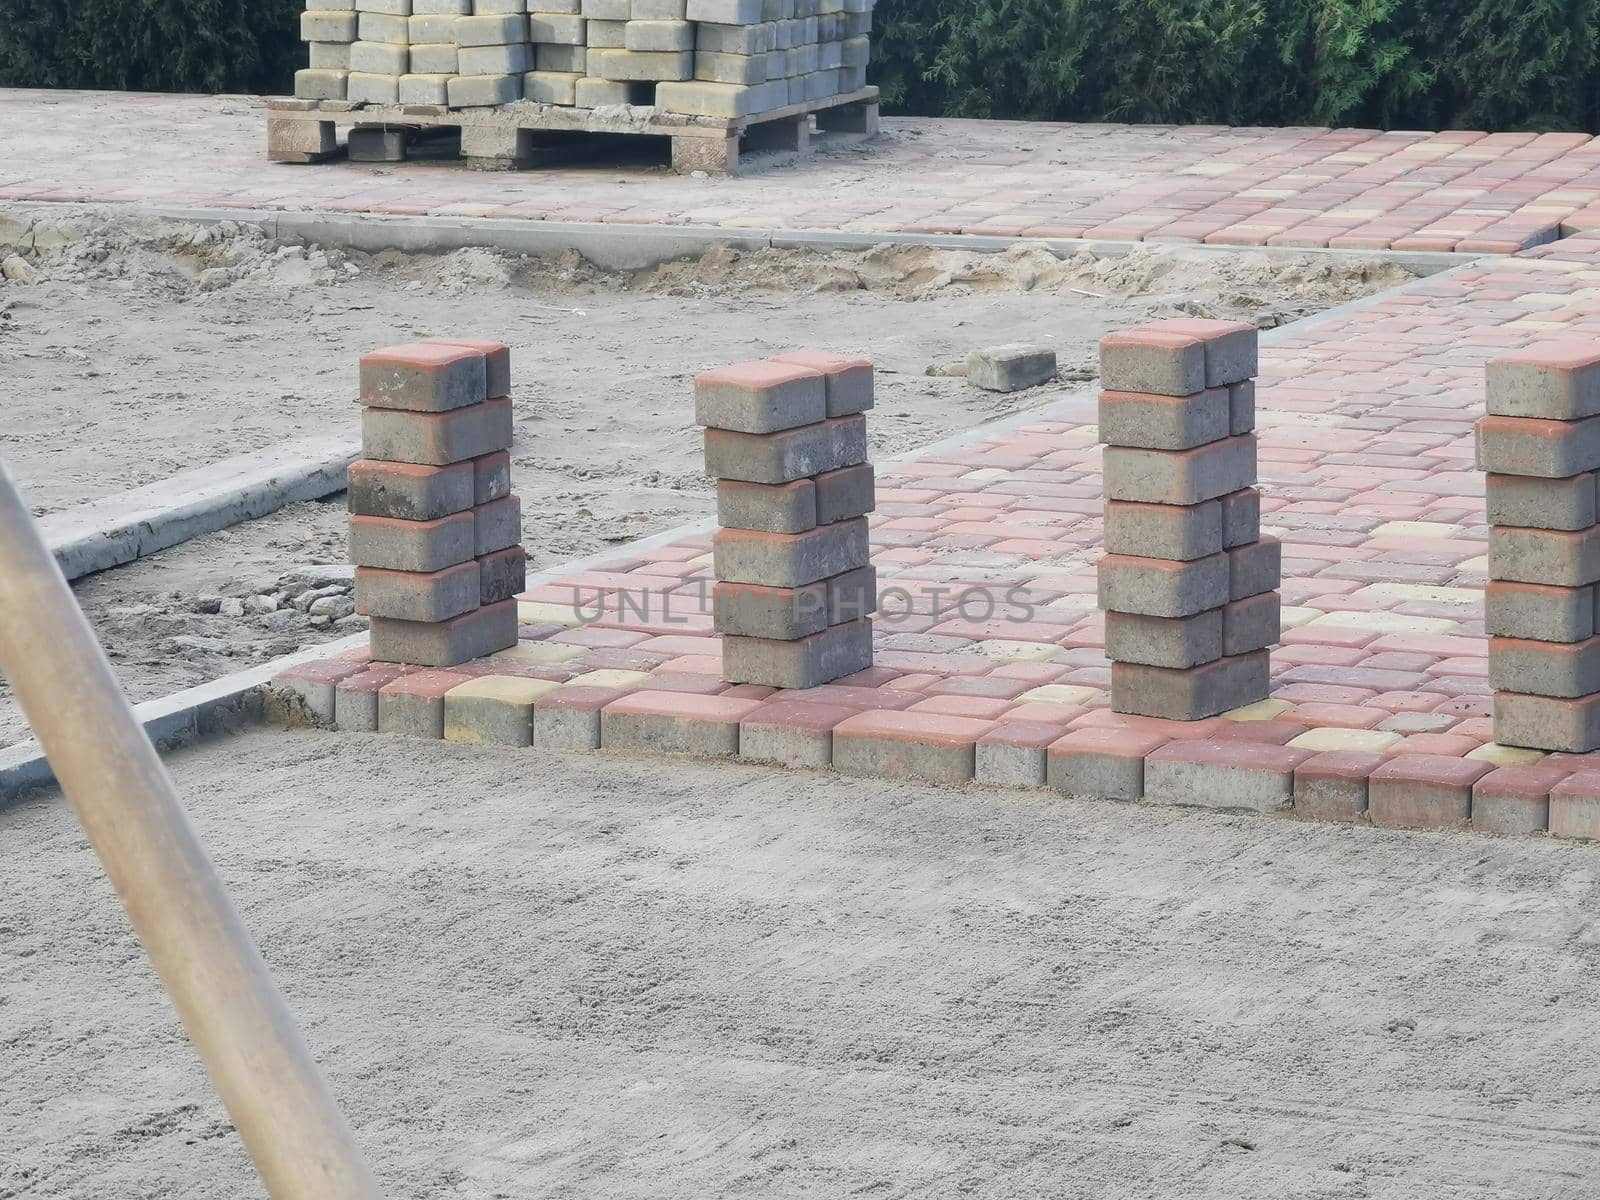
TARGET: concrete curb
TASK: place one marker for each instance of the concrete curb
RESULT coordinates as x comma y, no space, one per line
129,525
199,712
620,247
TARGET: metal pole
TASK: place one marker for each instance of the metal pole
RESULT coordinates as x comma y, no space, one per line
125,801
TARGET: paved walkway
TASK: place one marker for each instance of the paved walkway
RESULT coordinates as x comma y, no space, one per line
1342,188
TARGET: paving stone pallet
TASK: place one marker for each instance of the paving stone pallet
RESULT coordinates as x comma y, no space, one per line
519,135
726,58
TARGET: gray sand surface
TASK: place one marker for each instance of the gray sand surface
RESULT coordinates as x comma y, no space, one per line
531,975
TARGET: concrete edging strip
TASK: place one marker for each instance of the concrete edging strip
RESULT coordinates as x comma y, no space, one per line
121,528
176,720
625,247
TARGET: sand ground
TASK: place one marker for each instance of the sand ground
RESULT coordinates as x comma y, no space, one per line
540,975
143,348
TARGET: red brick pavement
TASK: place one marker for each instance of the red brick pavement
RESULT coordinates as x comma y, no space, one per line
986,554
1341,188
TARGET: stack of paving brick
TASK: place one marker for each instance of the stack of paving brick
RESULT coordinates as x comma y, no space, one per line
329,33
434,529
722,58
753,56
787,443
1540,445
558,34
381,53
1188,584
492,55
633,45
435,56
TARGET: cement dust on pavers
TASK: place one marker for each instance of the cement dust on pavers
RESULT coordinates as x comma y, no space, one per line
533,975
146,347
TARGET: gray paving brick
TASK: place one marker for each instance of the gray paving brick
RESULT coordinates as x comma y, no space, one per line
806,662
436,439
1180,476
446,643
1193,694
1164,641
396,545
418,596
1175,531
423,377
1538,611
1155,422
1561,669
790,559
1159,587
759,397
408,491
768,508
1011,368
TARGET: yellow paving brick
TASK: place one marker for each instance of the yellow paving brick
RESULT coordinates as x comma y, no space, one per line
1261,710
1293,615
1400,593
1505,756
1061,693
1416,529
1382,622
536,612
545,653
609,679
494,709
1017,651
1323,738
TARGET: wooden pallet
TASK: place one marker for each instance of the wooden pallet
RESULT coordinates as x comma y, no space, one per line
517,136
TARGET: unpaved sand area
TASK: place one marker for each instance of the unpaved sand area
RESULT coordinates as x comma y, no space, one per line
147,347
531,975
133,349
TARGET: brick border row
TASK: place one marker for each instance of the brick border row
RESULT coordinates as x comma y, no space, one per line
1211,763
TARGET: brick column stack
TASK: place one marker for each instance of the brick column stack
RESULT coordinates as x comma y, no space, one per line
381,54
434,528
1188,584
787,443
1540,445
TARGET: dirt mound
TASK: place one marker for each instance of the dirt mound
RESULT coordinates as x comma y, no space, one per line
185,258
1194,281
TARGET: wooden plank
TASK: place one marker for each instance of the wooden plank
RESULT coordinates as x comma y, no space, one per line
549,117
807,107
